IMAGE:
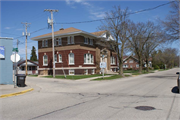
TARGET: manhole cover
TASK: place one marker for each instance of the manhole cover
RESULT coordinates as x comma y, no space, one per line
145,108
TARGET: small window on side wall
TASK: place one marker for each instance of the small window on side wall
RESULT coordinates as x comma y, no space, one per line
60,58
71,72
45,60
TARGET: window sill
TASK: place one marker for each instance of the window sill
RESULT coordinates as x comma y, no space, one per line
88,63
71,64
45,65
58,62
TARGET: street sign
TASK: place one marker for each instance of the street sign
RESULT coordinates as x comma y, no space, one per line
13,56
15,50
102,64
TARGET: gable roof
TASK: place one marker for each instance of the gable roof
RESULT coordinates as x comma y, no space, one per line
35,62
99,33
127,57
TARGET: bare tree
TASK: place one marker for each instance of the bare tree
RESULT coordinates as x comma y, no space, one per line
171,24
141,34
155,37
116,23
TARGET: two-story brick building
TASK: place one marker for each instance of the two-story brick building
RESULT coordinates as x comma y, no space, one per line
76,52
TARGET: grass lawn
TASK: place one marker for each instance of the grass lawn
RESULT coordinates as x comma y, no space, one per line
32,75
73,77
136,72
108,78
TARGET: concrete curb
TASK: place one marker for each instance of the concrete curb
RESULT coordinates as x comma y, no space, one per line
17,93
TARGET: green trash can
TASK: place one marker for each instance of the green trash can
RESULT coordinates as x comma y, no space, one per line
21,80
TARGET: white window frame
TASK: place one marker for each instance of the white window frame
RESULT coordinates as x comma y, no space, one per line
68,40
46,43
92,71
55,58
86,71
85,40
113,60
131,61
137,65
60,57
88,58
44,61
125,61
42,43
71,72
72,40
70,60
55,41
59,41
91,41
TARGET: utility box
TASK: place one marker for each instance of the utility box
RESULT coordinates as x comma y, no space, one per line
6,65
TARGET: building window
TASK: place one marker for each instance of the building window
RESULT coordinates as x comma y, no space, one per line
70,39
43,43
45,60
137,65
130,66
114,69
91,42
86,72
113,60
85,40
71,58
125,62
46,43
55,58
131,61
60,58
71,72
59,41
92,71
88,59
56,42
125,66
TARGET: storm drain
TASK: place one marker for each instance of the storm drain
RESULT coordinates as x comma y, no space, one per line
144,108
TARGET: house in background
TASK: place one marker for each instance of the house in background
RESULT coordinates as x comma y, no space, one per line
32,67
131,62
76,52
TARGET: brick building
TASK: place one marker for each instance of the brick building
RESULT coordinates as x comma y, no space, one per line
76,52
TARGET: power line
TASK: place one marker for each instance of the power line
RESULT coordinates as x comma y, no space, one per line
118,16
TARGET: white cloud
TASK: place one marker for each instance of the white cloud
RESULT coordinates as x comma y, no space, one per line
94,11
7,28
19,29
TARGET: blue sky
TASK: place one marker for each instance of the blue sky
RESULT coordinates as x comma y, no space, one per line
15,12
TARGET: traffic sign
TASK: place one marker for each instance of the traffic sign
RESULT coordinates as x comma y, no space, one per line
13,56
15,50
102,64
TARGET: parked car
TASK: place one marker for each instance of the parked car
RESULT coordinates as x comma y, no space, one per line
178,81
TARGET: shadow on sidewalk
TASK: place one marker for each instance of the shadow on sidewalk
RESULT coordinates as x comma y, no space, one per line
175,90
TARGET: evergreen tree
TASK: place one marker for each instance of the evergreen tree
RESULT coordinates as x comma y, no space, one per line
33,54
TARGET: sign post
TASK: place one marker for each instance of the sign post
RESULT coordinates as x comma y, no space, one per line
103,65
15,58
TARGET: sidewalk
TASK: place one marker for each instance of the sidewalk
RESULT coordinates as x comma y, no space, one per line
9,90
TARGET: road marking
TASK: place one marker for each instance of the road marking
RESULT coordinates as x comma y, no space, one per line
17,93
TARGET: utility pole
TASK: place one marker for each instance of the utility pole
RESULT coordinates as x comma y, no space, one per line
26,34
16,62
51,23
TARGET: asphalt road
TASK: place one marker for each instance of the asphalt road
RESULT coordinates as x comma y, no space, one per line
53,99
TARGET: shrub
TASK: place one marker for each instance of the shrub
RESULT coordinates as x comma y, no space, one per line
129,68
156,67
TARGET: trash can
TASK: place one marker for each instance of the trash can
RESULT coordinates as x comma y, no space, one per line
21,80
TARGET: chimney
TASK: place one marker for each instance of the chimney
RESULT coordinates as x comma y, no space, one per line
61,29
